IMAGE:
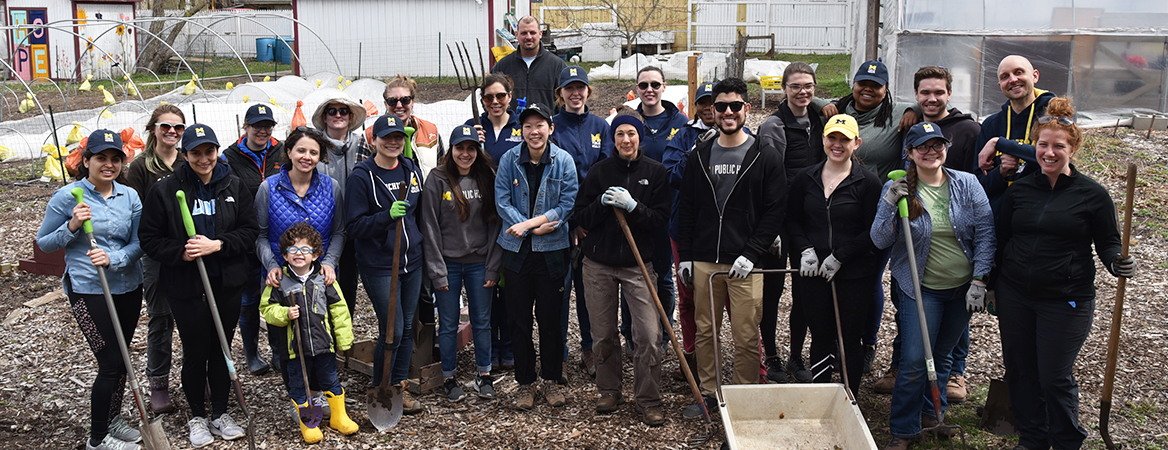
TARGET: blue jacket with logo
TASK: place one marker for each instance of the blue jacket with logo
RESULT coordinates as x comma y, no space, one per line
369,193
654,142
510,136
584,136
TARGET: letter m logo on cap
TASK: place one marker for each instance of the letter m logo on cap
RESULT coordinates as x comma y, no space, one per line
928,127
263,110
841,121
390,121
466,131
572,72
199,132
871,68
109,137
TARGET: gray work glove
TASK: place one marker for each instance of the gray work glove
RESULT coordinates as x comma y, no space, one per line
896,190
741,268
685,271
777,245
809,264
1124,267
975,297
830,267
619,197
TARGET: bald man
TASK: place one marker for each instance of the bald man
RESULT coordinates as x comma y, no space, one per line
1005,136
535,71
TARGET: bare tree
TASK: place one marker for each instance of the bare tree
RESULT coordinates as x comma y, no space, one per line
154,55
630,17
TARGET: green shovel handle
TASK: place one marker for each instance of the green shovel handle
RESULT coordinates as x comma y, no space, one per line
408,149
186,212
78,193
902,204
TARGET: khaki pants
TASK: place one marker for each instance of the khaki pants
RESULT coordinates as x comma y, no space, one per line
745,296
602,287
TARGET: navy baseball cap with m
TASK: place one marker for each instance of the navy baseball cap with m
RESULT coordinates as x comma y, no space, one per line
704,90
388,124
198,134
573,73
463,133
259,113
872,71
101,140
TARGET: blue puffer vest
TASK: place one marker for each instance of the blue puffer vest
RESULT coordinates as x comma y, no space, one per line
285,209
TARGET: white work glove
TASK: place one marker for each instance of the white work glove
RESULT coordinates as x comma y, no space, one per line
741,268
777,245
830,267
975,297
809,264
685,271
896,190
619,197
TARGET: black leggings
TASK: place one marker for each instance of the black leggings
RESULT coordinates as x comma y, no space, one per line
203,362
772,294
105,400
854,301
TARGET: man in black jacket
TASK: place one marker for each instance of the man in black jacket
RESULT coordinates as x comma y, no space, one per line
731,210
536,72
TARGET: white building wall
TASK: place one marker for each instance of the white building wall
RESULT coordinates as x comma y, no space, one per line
60,43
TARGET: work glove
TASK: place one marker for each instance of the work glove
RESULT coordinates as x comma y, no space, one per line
809,264
975,297
741,268
619,197
896,190
830,267
1124,267
398,209
777,245
685,271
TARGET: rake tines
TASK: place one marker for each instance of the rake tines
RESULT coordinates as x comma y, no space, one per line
468,78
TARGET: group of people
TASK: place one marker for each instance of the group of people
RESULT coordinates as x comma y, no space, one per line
533,197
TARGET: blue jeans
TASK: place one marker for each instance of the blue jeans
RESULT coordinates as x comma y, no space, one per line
322,368
947,320
959,354
409,287
478,299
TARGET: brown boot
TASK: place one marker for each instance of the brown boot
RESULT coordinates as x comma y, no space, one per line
553,394
409,405
887,382
588,363
525,397
609,402
955,390
652,416
160,395
900,443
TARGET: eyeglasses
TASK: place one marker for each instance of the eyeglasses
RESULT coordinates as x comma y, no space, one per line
645,85
734,106
390,101
499,97
925,149
801,87
1061,119
168,126
344,111
300,250
263,126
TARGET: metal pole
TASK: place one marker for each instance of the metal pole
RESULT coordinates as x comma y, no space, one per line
440,57
359,48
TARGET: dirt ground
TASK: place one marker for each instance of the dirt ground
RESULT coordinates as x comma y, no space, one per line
46,367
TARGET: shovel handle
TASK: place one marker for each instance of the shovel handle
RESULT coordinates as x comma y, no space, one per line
902,204
78,193
188,223
1117,315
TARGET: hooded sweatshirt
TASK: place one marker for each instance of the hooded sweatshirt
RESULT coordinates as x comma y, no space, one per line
445,238
961,129
661,129
369,194
1013,127
344,157
584,136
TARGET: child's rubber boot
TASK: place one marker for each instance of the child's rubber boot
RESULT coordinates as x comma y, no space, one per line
311,435
340,419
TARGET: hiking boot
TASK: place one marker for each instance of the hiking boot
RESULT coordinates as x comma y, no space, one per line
111,443
609,402
123,432
797,369
652,415
454,392
160,395
563,373
692,362
869,357
955,390
587,363
485,384
774,369
525,397
887,382
694,410
930,422
226,428
409,405
900,443
200,435
553,394
310,435
320,400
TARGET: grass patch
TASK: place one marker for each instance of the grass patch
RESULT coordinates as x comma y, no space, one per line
25,171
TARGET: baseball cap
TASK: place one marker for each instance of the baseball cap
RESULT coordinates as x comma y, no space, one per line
842,123
258,113
463,133
573,73
536,108
873,71
198,134
704,90
923,132
101,140
387,124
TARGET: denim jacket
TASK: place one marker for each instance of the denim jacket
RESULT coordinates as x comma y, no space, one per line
115,227
556,196
973,226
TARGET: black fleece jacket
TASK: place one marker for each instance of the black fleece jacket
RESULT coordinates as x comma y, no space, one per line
648,183
536,83
839,225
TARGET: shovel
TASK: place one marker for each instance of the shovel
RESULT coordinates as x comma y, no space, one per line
153,437
310,414
1116,316
934,390
378,397
189,224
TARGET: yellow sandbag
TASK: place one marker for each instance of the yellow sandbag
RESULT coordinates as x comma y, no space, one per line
53,162
85,84
190,87
74,135
27,104
6,153
267,78
229,86
130,88
273,102
106,97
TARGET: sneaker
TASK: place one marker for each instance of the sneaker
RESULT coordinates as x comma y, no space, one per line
200,435
553,394
887,382
322,402
609,402
123,432
588,363
774,369
955,390
454,392
869,357
797,369
112,443
226,428
652,416
694,410
485,384
525,397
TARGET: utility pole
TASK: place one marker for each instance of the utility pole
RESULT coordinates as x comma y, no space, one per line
873,30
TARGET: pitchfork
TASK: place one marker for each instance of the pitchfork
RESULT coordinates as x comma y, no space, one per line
468,79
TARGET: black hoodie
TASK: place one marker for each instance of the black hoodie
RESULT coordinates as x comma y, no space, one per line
962,130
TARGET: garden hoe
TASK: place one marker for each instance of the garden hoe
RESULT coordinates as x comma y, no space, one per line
1116,316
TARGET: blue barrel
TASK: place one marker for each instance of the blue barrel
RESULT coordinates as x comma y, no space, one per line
284,50
265,48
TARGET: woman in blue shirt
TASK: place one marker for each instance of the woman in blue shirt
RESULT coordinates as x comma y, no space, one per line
115,210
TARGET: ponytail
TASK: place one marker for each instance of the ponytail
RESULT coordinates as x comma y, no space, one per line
915,207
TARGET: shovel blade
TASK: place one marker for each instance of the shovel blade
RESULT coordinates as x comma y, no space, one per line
385,406
153,437
310,415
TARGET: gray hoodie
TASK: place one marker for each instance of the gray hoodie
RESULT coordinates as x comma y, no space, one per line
445,238
343,157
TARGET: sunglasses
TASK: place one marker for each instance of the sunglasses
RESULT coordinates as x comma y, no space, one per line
1062,120
406,100
734,106
169,126
499,97
645,85
936,148
300,250
308,130
344,111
